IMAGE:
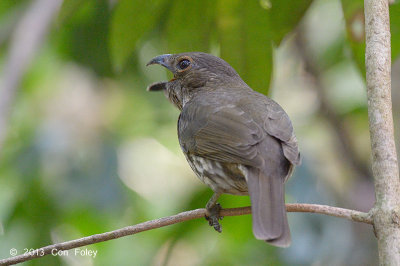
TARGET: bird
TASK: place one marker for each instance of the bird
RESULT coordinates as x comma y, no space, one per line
236,140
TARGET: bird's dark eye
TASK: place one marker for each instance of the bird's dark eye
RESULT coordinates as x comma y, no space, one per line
183,64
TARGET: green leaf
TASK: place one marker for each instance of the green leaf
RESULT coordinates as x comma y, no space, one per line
285,15
68,8
354,15
130,21
189,26
394,10
9,5
243,30
83,36
353,11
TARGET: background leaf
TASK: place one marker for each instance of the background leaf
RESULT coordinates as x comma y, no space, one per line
83,36
130,21
189,27
354,16
243,28
285,15
353,11
394,10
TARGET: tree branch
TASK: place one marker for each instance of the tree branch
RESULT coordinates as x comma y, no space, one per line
351,215
385,168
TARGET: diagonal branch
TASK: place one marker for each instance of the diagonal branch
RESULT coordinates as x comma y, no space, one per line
351,215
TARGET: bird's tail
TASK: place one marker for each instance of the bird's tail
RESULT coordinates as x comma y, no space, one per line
267,196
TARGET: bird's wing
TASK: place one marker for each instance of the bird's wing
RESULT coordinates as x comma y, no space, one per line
224,134
229,134
278,124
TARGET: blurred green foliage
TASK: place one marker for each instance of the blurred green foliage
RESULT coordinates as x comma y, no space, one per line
241,31
88,150
354,15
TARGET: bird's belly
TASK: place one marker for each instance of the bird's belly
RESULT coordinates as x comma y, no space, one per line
219,176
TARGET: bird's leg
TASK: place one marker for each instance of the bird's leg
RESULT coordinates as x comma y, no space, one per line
213,209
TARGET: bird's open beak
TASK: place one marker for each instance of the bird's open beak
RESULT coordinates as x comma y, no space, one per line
161,60
164,61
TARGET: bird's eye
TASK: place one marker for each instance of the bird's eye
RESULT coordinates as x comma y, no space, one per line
183,64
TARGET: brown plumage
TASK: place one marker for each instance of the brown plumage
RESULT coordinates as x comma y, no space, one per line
236,140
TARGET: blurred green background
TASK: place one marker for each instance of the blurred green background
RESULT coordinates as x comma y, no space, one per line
88,150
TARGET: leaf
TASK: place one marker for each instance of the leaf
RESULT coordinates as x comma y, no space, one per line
394,10
285,15
245,43
353,11
355,26
8,5
68,8
84,35
189,26
130,21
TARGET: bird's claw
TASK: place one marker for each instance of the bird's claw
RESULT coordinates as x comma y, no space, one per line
214,217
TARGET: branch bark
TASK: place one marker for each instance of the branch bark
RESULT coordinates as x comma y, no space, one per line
181,217
384,159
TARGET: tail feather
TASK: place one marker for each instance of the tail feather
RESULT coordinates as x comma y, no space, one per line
268,208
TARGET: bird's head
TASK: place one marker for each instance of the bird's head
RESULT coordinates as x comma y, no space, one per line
192,72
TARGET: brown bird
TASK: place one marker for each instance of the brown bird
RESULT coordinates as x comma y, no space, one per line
236,140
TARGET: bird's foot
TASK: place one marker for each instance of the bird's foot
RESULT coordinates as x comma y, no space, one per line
214,217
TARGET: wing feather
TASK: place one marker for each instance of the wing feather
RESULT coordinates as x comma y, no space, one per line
227,135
